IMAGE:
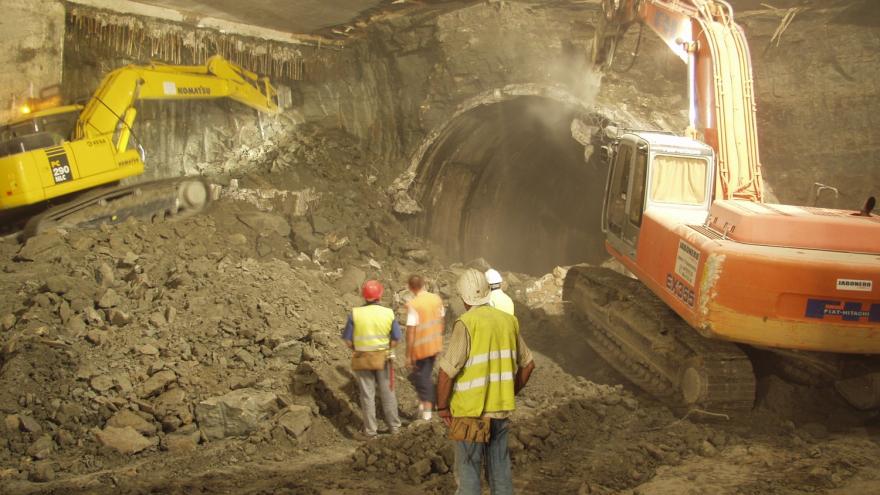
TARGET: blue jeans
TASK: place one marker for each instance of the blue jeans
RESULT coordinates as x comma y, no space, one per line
469,461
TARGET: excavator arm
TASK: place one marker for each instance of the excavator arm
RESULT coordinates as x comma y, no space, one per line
721,112
111,109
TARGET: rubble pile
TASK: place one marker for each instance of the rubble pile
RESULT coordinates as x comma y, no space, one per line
212,342
153,337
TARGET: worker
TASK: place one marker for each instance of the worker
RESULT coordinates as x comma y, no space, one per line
371,332
424,340
483,368
498,298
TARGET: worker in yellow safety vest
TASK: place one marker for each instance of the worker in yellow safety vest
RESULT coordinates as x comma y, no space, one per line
371,331
497,298
484,366
425,321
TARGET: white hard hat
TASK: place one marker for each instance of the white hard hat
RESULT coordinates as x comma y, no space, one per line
492,276
473,288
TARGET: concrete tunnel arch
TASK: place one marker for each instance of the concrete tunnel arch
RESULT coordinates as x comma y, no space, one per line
505,180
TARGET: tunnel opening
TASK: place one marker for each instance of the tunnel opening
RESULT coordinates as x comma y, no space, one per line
507,182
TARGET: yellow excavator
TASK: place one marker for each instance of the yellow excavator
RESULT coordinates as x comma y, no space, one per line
60,157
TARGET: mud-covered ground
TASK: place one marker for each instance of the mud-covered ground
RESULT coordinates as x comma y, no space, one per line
202,355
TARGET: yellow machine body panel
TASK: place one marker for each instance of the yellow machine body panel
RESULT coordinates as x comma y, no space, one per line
40,175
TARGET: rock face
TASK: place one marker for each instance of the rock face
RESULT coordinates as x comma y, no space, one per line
125,440
237,413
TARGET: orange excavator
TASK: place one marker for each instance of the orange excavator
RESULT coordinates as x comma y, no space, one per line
716,269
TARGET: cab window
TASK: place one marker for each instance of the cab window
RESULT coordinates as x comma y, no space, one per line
679,179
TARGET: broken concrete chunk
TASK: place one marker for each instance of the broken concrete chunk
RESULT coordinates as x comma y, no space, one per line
124,440
29,424
129,260
125,418
42,447
170,314
156,383
351,279
96,337
170,402
182,442
7,322
262,222
108,299
321,225
42,472
238,239
157,319
148,350
245,357
39,246
104,275
237,413
60,284
418,255
101,383
336,241
11,422
295,420
118,318
93,317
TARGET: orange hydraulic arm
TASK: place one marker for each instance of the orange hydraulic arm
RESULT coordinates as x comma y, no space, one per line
721,93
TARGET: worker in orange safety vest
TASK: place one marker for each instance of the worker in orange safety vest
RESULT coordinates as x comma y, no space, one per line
425,321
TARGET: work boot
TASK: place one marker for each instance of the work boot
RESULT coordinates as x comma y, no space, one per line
363,436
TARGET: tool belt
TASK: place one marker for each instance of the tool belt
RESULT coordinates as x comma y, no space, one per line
476,430
369,360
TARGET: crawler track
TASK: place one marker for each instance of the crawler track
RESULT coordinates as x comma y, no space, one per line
171,197
653,347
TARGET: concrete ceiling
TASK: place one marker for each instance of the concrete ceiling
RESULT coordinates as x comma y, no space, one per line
313,16
291,16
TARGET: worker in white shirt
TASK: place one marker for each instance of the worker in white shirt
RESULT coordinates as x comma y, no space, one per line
498,299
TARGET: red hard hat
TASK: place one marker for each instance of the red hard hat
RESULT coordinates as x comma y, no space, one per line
372,290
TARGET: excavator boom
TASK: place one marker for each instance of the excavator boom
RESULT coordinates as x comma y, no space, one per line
218,78
717,267
721,112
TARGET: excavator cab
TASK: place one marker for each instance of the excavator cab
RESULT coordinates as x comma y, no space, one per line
658,171
42,129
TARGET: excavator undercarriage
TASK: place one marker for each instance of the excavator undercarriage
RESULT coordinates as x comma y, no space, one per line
152,200
647,342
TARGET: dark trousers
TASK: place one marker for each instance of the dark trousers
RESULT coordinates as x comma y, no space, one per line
422,380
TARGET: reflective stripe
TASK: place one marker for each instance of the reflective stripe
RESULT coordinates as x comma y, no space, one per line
428,333
482,358
481,382
372,326
486,382
427,338
429,324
